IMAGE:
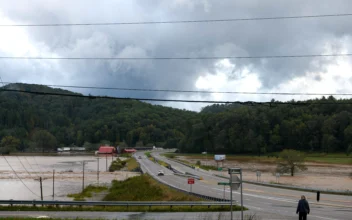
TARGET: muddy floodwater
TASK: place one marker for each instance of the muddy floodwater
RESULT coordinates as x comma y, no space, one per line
19,175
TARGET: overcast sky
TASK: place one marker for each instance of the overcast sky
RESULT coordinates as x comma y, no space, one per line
246,38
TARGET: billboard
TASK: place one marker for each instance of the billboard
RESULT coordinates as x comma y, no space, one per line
219,157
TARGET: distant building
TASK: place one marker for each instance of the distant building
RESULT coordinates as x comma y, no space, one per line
69,149
129,151
107,150
78,148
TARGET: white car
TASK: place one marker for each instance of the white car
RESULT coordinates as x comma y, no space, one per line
161,173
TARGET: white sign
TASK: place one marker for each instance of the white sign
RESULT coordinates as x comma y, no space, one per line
219,157
236,182
259,173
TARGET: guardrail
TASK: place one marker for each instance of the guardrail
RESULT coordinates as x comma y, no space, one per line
305,189
107,203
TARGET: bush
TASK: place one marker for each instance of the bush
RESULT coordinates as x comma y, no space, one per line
198,163
117,165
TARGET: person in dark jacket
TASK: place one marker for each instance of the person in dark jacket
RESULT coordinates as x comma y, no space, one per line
303,208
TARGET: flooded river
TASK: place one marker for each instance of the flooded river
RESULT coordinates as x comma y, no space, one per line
19,175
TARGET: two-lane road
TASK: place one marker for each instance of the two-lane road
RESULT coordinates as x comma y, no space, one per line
265,201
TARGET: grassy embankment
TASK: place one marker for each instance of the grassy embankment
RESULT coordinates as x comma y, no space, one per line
220,216
202,166
87,192
130,163
149,156
139,188
335,158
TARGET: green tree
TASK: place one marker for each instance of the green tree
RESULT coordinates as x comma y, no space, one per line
349,150
44,140
291,161
9,144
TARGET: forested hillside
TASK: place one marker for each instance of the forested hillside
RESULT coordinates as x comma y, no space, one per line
36,122
317,125
83,121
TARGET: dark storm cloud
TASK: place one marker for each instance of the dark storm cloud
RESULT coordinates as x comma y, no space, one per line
256,38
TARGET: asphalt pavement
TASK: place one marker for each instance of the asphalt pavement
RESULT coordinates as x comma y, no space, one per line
136,215
264,201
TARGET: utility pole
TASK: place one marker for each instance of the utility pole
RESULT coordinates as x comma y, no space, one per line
53,184
241,195
98,170
41,188
106,161
224,192
83,176
231,195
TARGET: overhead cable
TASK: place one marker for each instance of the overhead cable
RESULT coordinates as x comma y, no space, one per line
20,177
169,100
178,58
179,21
193,91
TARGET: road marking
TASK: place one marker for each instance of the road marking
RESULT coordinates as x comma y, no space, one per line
253,195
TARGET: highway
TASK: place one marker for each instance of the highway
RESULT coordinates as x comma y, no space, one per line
265,201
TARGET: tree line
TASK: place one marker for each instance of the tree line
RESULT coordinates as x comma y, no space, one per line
323,125
43,123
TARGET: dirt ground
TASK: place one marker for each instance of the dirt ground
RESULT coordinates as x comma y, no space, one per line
318,175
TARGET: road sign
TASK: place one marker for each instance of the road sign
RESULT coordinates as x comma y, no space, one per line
223,184
190,181
236,182
235,170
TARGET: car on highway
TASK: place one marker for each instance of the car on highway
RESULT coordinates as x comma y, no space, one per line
140,157
161,173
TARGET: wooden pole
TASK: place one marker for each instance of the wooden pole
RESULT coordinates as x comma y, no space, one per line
106,161
53,184
98,170
83,177
41,188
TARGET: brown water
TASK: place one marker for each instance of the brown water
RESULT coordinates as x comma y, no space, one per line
68,175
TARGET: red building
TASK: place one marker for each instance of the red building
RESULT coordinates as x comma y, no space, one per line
129,151
107,150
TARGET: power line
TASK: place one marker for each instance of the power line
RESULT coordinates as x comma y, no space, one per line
180,58
171,100
193,91
179,21
20,177
31,167
24,167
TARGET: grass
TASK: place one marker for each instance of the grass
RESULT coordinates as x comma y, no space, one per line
145,188
162,163
132,164
220,216
117,165
123,208
171,156
126,155
87,192
334,158
208,167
